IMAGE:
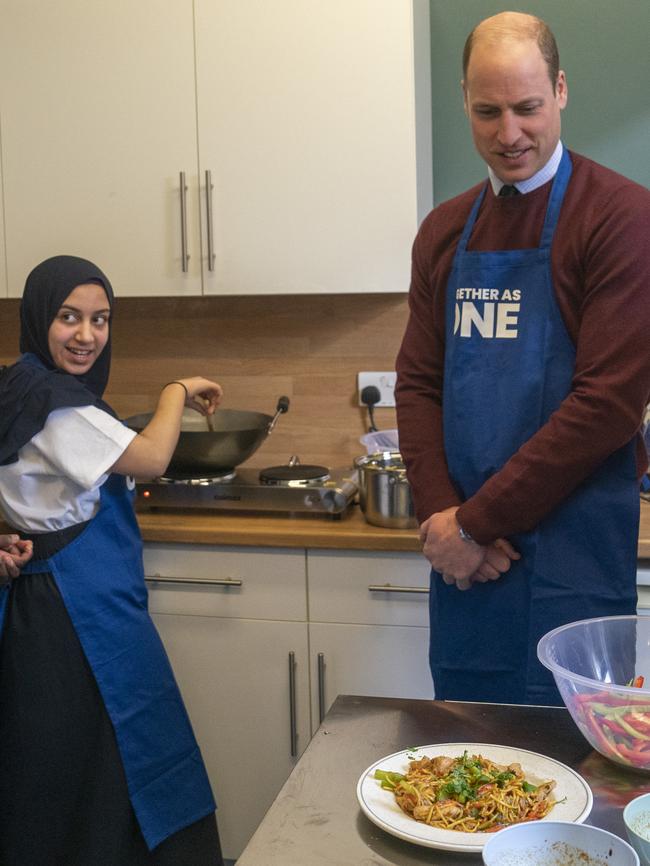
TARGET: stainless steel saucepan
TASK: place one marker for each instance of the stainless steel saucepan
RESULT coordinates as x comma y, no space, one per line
237,434
384,491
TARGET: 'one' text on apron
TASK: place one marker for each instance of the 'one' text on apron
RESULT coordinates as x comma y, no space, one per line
492,312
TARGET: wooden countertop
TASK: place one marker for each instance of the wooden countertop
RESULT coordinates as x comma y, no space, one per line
351,532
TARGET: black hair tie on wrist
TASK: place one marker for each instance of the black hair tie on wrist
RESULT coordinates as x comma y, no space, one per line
176,382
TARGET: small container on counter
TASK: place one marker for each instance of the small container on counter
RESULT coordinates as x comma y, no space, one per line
384,491
546,843
636,817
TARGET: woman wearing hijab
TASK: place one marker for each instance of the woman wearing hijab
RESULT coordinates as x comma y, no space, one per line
98,762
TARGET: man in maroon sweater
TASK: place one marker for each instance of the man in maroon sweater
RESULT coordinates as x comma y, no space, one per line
522,380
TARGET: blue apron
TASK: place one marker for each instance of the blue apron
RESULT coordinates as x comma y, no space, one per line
509,363
101,580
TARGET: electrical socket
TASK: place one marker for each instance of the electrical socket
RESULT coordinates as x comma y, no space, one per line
384,381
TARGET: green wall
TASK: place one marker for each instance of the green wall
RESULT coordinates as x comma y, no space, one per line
605,51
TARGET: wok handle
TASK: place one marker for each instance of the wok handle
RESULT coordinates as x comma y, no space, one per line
280,409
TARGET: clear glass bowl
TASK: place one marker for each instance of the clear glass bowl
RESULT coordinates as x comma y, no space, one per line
593,662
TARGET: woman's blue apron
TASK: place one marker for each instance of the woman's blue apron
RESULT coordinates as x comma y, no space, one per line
509,363
101,579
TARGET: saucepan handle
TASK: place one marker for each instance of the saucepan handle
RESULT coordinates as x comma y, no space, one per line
280,409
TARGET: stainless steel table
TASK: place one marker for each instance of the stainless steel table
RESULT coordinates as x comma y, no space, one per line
315,819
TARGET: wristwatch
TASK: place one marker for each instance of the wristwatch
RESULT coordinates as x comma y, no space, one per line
465,535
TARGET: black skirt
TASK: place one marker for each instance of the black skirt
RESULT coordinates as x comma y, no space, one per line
63,793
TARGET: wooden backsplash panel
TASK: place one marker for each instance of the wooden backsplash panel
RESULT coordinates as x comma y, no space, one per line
308,347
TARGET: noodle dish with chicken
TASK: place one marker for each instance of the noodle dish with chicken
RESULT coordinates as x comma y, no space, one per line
470,793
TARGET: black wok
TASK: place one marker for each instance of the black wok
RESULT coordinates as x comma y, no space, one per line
236,434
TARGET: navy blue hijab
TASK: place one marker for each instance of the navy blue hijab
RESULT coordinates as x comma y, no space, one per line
33,387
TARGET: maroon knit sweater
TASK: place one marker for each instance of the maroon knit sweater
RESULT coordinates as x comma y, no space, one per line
601,274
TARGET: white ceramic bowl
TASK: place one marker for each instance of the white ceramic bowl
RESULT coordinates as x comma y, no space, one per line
592,661
557,843
637,824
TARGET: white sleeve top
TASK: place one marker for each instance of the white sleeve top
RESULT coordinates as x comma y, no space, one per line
56,481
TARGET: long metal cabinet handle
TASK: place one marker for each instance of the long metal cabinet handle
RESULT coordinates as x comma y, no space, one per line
321,687
388,587
208,214
194,581
185,256
292,705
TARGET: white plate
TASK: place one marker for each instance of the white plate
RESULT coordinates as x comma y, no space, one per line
381,807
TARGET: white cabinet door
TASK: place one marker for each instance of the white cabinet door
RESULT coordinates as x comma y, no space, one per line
98,120
234,677
233,620
307,123
364,587
249,583
306,117
380,661
368,626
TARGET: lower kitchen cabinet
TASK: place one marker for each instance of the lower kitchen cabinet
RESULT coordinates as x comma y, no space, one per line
368,626
263,640
384,661
233,623
234,677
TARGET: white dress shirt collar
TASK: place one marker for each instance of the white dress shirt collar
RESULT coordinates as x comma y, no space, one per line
538,179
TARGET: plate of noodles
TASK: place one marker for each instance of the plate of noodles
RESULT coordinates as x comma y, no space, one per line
453,796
